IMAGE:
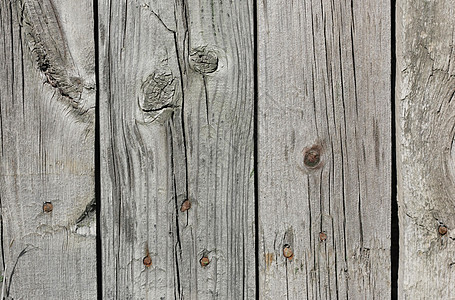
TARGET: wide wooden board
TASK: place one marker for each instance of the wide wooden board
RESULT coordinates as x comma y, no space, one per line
47,101
324,149
176,130
425,148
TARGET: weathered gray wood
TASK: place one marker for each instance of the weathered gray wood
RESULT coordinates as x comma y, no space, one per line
426,156
324,85
177,124
47,98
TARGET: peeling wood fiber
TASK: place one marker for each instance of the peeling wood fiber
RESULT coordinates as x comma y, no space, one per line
425,109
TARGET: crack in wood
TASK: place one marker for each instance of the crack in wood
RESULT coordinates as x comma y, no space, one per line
90,210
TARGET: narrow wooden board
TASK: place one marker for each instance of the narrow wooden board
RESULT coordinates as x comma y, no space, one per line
426,154
47,99
324,89
177,124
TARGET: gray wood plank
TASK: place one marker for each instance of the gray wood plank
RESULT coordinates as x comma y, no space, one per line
47,99
177,149
324,149
426,156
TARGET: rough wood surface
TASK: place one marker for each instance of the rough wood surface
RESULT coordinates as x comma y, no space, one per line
47,100
324,87
426,153
177,149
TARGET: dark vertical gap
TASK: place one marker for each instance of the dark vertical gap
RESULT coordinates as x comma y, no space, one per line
255,137
1,239
394,226
99,270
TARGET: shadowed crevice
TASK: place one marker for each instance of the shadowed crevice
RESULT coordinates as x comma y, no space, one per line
256,142
97,200
394,251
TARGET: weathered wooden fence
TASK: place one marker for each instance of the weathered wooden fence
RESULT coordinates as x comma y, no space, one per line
227,149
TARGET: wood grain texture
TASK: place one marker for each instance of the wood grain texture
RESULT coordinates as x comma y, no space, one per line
176,120
324,86
426,153
47,99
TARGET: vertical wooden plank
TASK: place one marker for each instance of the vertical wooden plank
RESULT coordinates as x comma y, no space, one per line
324,149
177,149
47,99
426,156
218,117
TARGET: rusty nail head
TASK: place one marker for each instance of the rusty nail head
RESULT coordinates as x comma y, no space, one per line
147,261
287,252
322,236
443,229
47,207
312,157
204,261
185,205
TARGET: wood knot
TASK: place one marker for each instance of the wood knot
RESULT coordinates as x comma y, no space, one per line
158,93
203,60
159,90
312,156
